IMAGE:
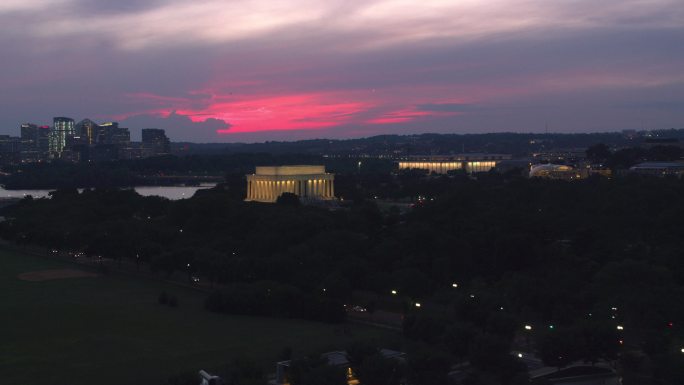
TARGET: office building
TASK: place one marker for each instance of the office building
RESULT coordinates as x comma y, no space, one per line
442,164
155,142
61,135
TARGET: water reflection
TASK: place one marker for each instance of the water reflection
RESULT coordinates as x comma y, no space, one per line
170,192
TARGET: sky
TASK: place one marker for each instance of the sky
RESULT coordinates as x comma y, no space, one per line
257,70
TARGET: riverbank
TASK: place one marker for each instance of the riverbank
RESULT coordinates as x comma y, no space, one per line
169,192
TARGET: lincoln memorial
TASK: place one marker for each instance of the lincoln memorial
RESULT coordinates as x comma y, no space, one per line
310,182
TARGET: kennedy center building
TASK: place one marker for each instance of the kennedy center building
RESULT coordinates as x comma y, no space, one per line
311,182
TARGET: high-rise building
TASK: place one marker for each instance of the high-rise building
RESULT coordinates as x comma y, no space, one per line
87,130
29,135
29,143
63,132
111,133
44,141
119,136
10,149
155,142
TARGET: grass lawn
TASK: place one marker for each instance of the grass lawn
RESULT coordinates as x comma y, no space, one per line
111,330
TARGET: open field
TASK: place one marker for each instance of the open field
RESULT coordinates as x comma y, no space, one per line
111,330
48,275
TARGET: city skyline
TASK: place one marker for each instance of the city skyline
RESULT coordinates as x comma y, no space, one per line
257,70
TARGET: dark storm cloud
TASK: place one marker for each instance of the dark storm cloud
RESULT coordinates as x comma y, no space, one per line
178,127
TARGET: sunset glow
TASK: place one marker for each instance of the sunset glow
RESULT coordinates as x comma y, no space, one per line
257,69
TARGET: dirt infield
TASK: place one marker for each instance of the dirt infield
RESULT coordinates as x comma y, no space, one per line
48,275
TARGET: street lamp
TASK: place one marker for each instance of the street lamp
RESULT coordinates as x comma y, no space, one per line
394,292
528,327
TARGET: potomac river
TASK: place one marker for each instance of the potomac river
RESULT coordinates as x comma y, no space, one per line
170,192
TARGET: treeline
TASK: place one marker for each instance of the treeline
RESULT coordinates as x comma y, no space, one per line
519,144
275,300
483,258
627,157
156,170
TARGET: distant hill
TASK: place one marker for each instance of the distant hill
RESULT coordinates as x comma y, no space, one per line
399,145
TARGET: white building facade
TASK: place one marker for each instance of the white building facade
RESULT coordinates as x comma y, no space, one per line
308,182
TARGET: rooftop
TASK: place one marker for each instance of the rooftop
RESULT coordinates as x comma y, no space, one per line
290,170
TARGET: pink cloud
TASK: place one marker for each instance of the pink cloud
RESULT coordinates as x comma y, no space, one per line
299,111
407,115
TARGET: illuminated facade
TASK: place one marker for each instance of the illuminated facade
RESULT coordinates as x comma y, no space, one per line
659,169
470,163
309,182
555,171
87,130
62,132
